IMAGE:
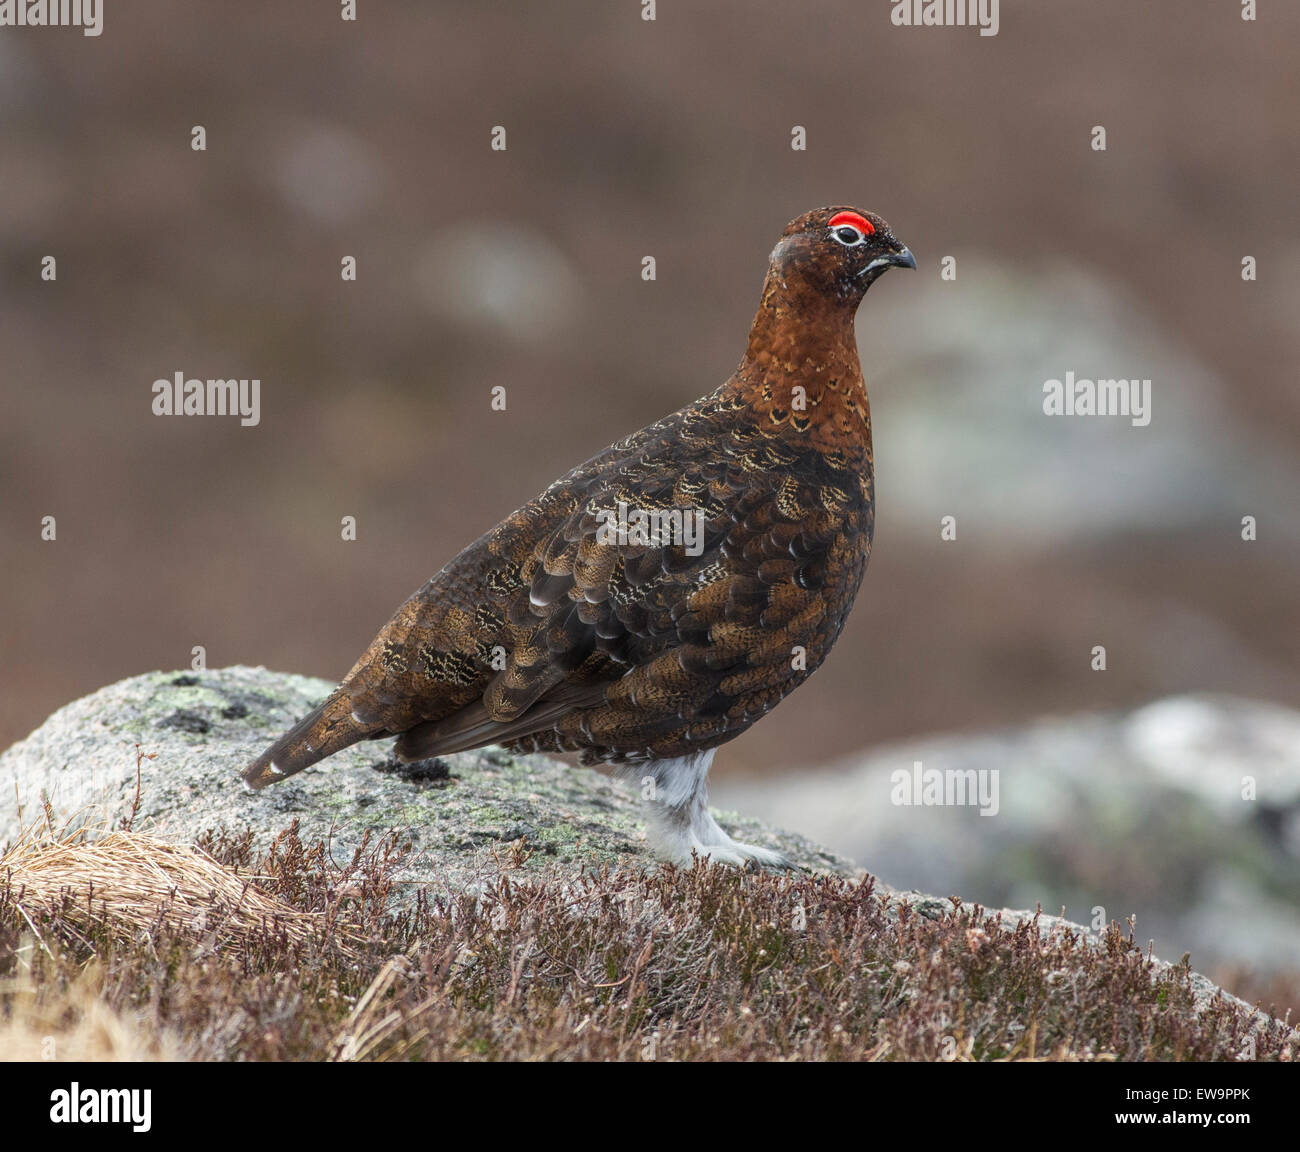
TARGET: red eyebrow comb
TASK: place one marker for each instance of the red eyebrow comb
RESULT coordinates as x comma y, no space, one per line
861,223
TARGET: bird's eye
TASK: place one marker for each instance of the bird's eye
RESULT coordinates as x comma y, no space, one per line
848,235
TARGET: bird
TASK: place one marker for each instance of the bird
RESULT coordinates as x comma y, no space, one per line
661,598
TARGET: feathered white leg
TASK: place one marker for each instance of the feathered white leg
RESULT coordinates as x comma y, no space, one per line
680,821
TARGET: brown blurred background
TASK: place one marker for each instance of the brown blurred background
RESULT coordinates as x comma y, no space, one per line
522,268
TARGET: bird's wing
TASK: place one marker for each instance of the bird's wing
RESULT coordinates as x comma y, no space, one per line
547,630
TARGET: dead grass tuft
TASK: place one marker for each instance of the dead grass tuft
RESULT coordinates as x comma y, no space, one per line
140,883
137,884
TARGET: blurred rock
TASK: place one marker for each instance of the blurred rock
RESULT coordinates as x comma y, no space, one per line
326,171
1145,812
498,276
960,428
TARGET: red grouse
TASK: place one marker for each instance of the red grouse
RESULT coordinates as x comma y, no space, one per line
660,598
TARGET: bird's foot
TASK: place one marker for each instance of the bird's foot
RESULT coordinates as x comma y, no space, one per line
679,840
744,855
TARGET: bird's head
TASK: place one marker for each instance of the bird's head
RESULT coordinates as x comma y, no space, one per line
837,252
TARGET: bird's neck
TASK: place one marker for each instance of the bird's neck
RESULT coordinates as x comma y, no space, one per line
801,371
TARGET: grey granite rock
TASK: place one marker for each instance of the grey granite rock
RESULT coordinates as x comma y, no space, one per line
961,430
192,732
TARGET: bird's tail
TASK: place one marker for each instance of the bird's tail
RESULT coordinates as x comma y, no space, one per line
321,733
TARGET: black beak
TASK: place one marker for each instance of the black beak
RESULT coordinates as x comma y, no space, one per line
904,258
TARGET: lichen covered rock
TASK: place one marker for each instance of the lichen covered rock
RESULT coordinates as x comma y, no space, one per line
190,733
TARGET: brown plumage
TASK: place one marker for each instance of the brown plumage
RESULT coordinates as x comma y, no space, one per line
547,635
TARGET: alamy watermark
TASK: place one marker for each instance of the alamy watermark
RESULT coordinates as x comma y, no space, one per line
981,14
88,15
653,528
1078,396
78,1105
181,397
952,788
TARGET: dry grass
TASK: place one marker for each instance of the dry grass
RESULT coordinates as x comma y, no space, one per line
129,947
136,884
72,1022
139,883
